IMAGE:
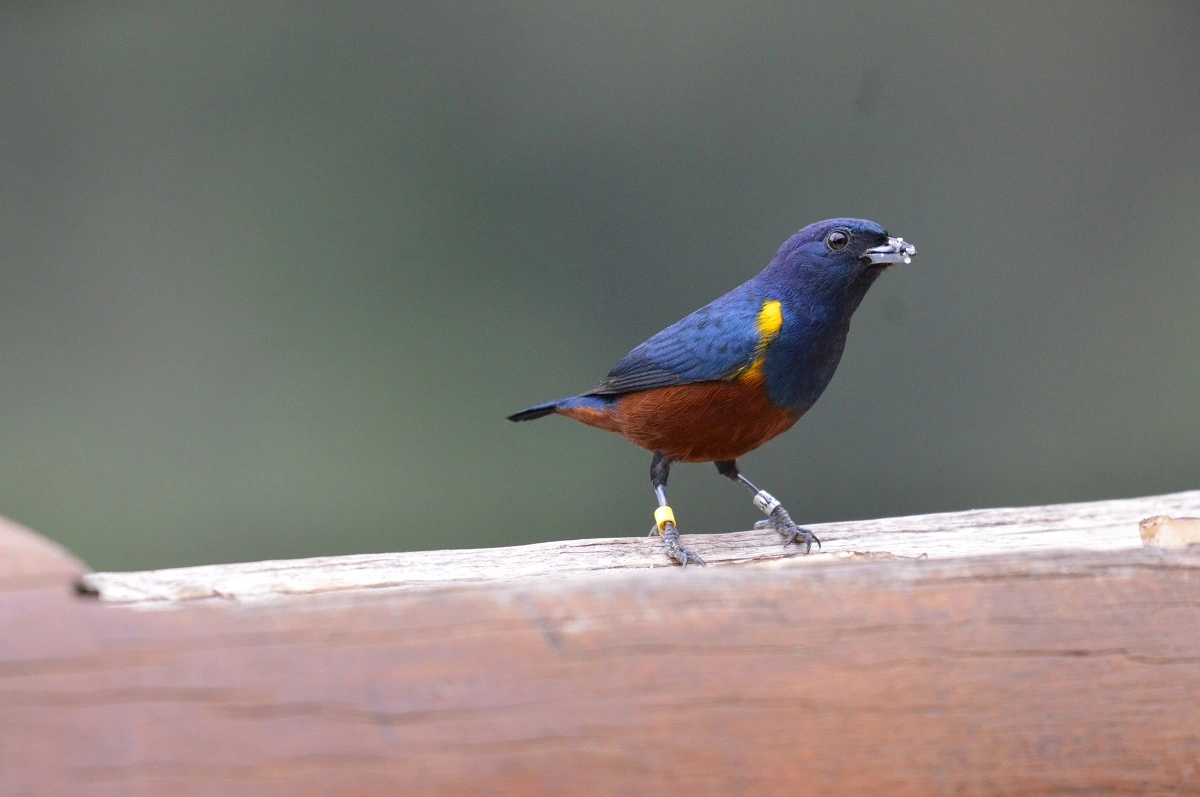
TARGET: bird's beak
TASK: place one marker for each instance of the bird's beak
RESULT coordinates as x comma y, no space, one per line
896,250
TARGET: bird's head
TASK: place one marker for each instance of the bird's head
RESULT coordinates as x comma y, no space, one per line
838,256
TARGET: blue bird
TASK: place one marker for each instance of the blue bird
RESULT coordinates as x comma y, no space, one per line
743,368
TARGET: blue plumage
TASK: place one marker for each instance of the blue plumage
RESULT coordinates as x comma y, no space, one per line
818,290
743,368
715,342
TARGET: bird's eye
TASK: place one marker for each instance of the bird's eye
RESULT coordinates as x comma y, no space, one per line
837,240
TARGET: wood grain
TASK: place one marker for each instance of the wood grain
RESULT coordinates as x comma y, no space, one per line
1095,526
1045,671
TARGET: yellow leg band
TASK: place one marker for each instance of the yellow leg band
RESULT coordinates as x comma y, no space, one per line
662,516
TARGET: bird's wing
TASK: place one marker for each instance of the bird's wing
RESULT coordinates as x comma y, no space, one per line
717,341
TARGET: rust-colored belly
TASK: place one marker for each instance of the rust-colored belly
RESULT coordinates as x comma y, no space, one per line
701,422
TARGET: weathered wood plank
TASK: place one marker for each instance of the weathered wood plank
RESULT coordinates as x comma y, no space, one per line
1041,673
1163,531
1040,670
1096,526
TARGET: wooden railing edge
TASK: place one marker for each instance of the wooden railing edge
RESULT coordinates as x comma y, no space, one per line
1111,525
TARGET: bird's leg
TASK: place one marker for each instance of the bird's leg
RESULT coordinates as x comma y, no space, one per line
777,517
664,518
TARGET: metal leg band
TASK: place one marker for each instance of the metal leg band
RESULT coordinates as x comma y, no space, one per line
765,502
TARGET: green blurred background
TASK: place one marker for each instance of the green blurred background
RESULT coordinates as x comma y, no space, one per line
274,272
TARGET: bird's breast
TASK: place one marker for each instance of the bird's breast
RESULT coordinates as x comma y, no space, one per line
800,360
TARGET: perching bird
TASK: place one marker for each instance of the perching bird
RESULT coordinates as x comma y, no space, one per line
743,368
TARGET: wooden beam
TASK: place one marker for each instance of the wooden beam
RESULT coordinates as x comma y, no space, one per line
1096,526
1044,671
30,561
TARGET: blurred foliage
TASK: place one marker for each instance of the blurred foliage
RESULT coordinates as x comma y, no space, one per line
274,272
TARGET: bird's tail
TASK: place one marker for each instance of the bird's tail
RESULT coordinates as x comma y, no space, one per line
537,411
592,410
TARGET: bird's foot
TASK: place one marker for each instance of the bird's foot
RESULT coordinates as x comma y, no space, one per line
670,537
782,522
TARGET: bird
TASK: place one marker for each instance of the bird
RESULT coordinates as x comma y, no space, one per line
741,370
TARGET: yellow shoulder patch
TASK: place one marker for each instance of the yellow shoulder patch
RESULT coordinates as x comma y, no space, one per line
770,321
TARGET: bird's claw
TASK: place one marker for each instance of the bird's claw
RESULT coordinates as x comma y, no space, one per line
676,551
798,533
790,532
683,556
